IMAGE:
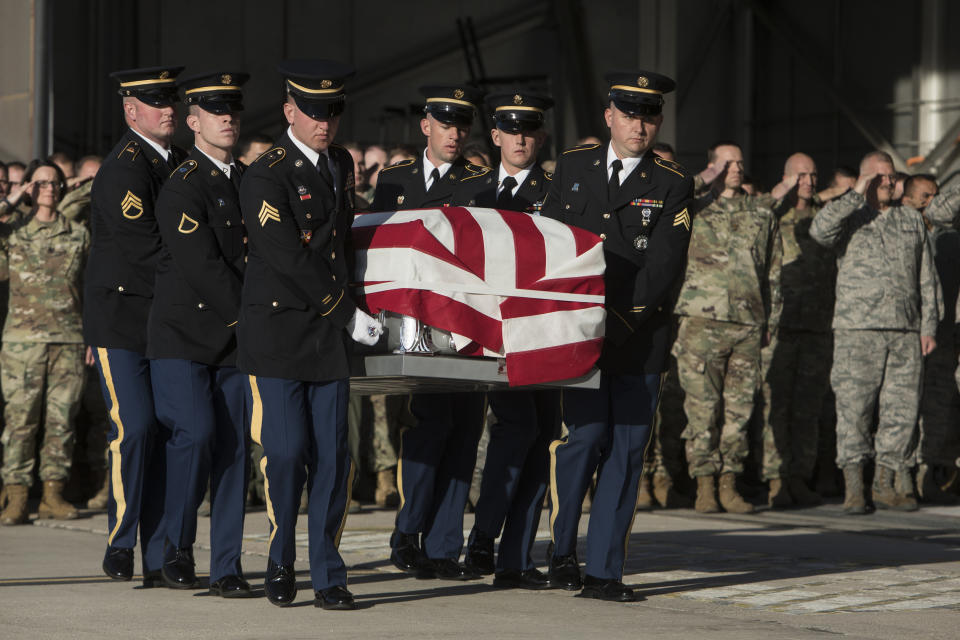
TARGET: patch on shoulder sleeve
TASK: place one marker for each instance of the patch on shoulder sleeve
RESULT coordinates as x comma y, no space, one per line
670,165
272,157
131,206
187,224
682,218
268,213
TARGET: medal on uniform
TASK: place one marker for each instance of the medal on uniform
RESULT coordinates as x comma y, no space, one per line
646,216
221,202
575,187
304,193
640,243
305,237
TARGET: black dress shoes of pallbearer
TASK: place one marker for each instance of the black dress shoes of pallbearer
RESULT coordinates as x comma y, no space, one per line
118,563
280,584
334,599
447,569
565,572
607,589
178,568
531,579
230,587
479,557
406,555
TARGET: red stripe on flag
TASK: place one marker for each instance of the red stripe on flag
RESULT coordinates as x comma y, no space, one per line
584,240
467,240
522,307
529,249
550,364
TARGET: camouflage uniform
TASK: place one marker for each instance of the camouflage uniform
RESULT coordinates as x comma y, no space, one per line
730,297
796,363
887,295
41,365
75,205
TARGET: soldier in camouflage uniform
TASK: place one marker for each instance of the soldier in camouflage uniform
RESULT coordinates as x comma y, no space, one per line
937,448
728,307
797,363
42,359
885,320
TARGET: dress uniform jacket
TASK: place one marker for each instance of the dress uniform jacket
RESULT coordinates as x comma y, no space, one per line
295,305
645,232
118,285
528,198
200,270
402,186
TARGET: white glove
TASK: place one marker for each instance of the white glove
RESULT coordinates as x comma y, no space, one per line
364,328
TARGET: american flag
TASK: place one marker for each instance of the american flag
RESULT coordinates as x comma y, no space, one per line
506,284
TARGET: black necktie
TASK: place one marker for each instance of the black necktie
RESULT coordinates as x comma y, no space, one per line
324,168
235,176
434,178
613,187
505,199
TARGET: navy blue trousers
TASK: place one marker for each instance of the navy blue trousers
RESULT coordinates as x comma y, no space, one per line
436,466
516,471
137,455
203,408
609,429
302,427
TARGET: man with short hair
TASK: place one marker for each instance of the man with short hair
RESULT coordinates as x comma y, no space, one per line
118,290
797,361
516,469
296,316
191,342
374,159
252,147
638,203
885,319
438,454
729,307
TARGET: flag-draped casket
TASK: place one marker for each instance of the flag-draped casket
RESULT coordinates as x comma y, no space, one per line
525,288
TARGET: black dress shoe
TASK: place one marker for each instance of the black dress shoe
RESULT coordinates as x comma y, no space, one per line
516,579
479,557
610,590
118,563
447,569
230,587
178,568
280,584
334,599
565,572
153,579
406,555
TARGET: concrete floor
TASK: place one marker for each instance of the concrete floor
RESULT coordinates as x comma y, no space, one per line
788,574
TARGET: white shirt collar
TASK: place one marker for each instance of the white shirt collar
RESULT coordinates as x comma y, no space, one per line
226,168
164,153
312,156
519,177
629,164
428,168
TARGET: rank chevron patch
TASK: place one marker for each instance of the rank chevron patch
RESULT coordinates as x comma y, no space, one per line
187,224
682,218
131,202
267,213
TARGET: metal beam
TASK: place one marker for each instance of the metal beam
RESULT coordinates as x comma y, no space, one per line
784,34
935,159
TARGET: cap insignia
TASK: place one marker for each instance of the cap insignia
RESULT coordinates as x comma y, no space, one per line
164,75
642,82
458,94
325,84
517,99
226,78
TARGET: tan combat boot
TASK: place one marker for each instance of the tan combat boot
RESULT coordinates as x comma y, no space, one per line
802,495
886,496
386,494
706,495
15,511
644,497
666,494
778,496
100,500
53,505
730,500
854,502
